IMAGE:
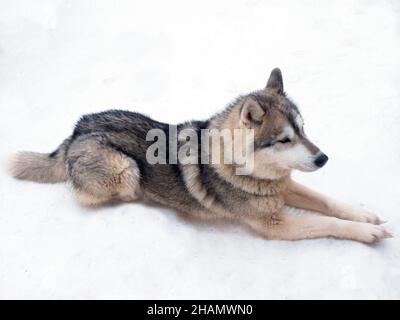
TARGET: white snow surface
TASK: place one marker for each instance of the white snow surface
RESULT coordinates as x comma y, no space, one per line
181,60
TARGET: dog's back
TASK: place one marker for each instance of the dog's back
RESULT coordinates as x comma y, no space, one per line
105,159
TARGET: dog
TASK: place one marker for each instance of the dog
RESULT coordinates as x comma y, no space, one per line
106,159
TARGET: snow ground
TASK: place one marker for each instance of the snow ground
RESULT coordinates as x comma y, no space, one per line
178,60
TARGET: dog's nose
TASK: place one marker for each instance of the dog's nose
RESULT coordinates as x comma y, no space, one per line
321,160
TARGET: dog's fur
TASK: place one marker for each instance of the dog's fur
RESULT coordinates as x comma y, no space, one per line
105,160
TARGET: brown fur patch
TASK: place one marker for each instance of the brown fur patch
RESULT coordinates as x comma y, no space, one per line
38,167
100,174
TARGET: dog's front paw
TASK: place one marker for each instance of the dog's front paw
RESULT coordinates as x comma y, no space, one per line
368,233
365,216
347,212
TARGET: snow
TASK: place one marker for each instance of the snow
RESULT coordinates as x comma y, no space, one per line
180,60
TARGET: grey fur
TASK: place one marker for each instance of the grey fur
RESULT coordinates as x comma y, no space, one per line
105,159
40,167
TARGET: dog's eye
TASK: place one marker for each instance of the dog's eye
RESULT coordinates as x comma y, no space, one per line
267,144
286,140
272,143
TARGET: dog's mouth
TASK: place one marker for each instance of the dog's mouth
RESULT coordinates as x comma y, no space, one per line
307,168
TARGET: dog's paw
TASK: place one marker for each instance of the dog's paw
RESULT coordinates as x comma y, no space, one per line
365,216
369,233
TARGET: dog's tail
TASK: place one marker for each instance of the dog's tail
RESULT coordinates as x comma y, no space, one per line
40,167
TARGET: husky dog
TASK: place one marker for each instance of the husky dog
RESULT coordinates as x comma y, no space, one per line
105,160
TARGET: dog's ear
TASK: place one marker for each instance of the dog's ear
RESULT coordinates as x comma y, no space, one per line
251,113
275,81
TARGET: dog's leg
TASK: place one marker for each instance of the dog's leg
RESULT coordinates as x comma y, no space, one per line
313,226
299,196
99,174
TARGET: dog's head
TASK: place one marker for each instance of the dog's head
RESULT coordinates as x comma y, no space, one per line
280,143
